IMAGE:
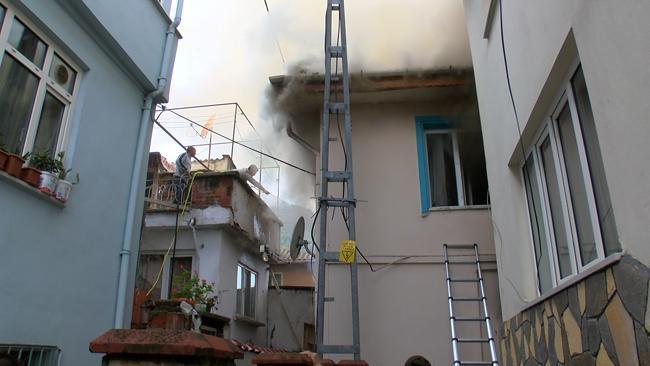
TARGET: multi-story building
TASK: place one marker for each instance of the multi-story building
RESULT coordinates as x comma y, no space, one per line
562,89
82,77
419,178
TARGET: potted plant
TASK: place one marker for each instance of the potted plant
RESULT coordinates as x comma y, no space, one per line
63,186
196,290
30,174
14,164
48,167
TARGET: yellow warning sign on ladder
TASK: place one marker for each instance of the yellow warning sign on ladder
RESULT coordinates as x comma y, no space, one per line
347,250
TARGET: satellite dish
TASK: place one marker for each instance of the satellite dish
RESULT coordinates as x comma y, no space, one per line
297,241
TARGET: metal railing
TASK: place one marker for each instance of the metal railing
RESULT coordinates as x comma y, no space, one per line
30,355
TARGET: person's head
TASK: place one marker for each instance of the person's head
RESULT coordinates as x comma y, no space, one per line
252,170
191,151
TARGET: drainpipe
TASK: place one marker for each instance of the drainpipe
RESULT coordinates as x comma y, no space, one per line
134,193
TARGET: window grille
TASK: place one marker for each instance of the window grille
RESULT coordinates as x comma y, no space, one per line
32,355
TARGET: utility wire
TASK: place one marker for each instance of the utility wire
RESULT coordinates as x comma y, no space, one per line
240,144
523,152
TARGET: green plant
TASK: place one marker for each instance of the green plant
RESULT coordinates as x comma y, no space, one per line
60,169
192,288
43,162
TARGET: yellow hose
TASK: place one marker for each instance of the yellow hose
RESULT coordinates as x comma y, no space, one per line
171,245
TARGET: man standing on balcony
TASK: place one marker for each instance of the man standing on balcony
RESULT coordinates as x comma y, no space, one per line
182,174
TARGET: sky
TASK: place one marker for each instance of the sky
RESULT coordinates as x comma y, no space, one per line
229,50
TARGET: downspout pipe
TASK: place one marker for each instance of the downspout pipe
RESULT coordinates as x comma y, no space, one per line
130,225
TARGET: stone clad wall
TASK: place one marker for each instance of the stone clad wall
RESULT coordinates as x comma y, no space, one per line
602,320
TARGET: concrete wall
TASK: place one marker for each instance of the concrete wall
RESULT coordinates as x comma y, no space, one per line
296,274
299,304
404,309
59,266
215,256
541,40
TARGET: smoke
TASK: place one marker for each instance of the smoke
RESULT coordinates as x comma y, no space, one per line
229,49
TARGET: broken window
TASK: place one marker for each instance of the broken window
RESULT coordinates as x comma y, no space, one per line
246,291
568,201
454,168
37,88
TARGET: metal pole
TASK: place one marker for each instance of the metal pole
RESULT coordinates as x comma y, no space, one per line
210,149
234,125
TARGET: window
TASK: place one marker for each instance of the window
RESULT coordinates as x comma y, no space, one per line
149,273
246,291
37,88
29,355
570,210
452,165
278,277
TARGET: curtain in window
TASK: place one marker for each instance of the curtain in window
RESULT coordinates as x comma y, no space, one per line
49,125
17,94
442,173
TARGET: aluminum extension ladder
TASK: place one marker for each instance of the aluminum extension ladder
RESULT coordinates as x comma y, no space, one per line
331,106
481,299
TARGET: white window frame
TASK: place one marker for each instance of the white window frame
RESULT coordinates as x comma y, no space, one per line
549,129
241,312
45,83
460,187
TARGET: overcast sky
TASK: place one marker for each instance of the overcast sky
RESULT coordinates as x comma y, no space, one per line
230,48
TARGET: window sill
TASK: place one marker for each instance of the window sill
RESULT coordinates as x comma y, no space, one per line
29,189
455,208
249,321
603,264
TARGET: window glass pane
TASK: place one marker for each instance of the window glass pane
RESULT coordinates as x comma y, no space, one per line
148,268
595,161
63,74
581,215
2,15
27,43
17,93
442,173
49,125
553,190
240,290
472,158
540,241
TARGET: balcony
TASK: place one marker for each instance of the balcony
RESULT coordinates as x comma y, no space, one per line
216,200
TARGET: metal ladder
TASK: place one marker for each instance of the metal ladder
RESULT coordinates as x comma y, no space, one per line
481,299
336,53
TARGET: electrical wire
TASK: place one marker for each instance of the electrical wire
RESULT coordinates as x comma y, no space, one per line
523,153
243,145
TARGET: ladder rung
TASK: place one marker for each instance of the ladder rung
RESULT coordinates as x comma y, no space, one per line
335,5
464,279
335,78
336,107
337,176
337,349
473,340
469,319
337,202
330,256
466,298
328,299
459,246
476,363
474,262
336,51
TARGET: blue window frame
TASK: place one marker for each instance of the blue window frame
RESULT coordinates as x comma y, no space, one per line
451,164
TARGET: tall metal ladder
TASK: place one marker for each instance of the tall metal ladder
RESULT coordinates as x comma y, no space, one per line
453,318
331,106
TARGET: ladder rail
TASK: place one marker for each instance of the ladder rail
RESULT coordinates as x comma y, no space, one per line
488,327
455,340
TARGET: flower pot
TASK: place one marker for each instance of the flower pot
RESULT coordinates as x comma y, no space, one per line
201,308
14,165
31,176
47,183
3,159
62,192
